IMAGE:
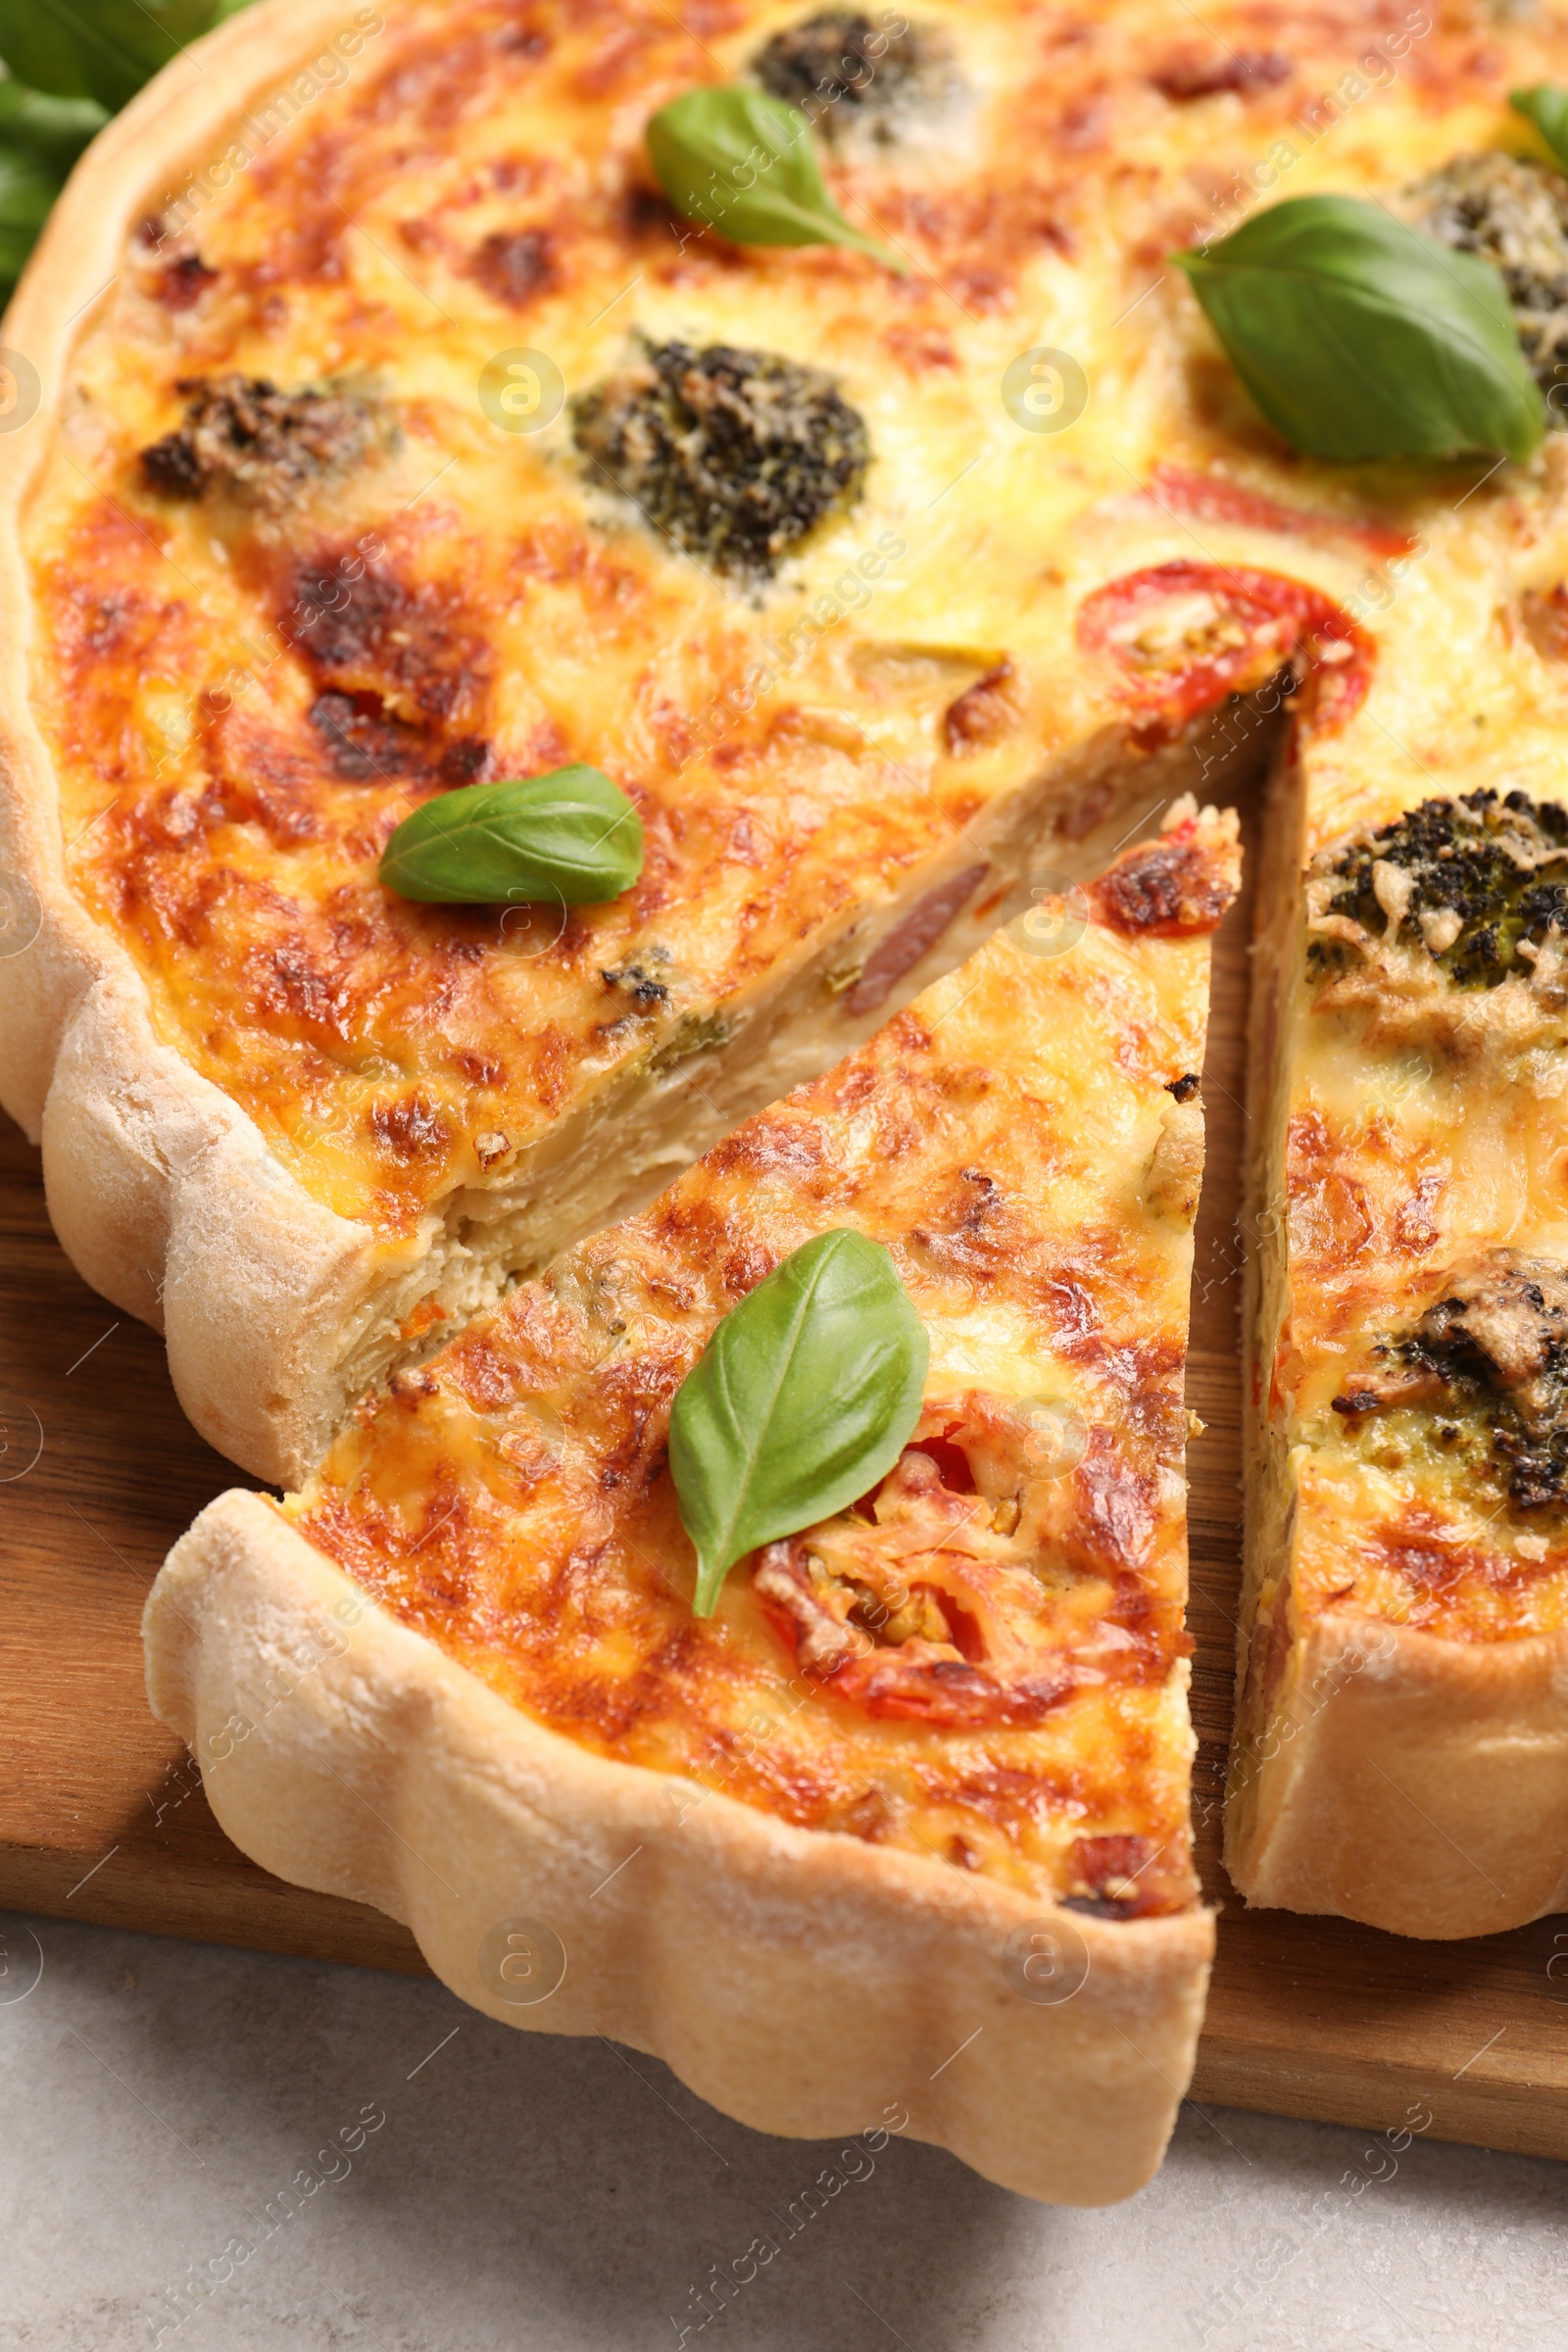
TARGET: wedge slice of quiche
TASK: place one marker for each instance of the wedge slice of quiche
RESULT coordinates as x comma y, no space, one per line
905,1822
1402,1742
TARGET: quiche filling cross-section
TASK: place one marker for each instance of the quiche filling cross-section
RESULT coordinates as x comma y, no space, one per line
983,1660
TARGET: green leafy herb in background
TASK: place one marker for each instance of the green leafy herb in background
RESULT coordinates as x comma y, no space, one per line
570,837
52,131
69,65
1359,339
742,160
103,49
1545,105
805,1396
27,190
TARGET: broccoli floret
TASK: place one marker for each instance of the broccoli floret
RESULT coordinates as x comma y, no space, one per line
846,73
242,434
1491,1355
640,979
734,455
1484,875
1513,213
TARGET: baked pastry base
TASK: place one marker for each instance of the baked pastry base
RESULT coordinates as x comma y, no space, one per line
806,1982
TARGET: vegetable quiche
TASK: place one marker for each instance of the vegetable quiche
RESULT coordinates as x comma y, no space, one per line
400,436
920,1784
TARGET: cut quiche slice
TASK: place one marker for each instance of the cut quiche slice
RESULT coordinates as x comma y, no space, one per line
905,1820
1402,1738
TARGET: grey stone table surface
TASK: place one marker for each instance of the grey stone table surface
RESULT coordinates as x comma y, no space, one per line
217,2151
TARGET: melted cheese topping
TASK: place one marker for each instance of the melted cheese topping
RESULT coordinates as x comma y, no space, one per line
1018,1704
484,599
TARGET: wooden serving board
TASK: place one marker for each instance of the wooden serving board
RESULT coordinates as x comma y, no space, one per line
101,1815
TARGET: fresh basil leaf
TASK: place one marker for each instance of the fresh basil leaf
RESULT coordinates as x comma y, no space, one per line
103,49
805,1396
27,190
572,837
1545,105
1357,338
742,160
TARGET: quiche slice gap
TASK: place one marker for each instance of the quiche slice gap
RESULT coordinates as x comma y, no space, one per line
1400,1752
905,1825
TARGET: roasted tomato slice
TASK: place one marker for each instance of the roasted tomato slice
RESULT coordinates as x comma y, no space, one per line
952,1695
1172,888
1185,635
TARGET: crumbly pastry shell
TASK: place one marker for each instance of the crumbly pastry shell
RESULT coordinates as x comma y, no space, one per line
807,1983
1415,1783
